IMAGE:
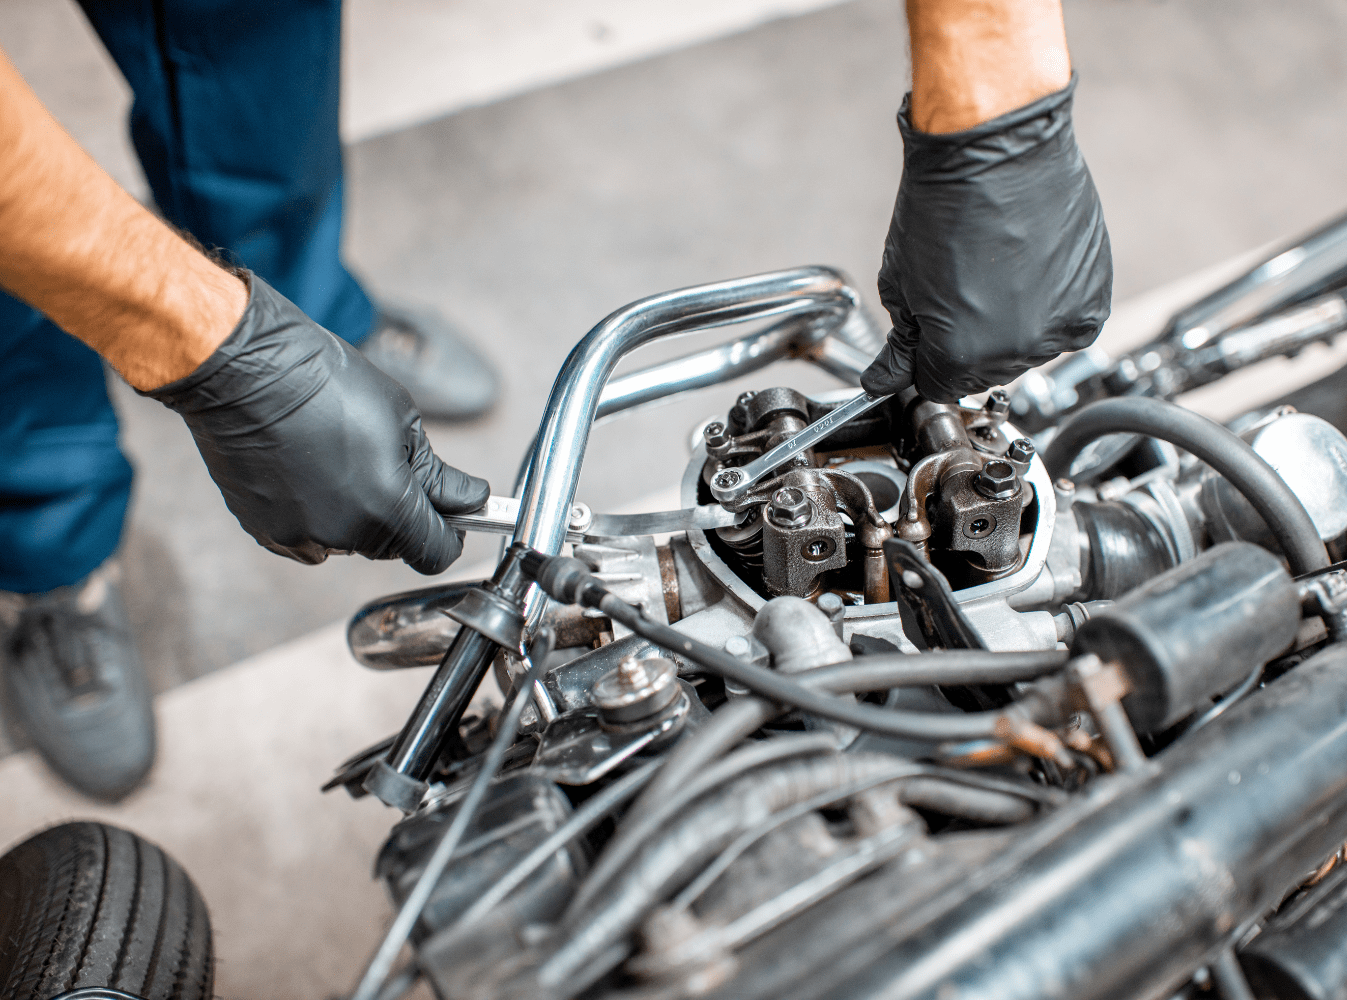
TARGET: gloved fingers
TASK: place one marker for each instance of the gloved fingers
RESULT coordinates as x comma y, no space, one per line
450,490
419,536
892,369
309,555
943,380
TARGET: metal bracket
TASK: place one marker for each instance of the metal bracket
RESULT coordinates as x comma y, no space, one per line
924,589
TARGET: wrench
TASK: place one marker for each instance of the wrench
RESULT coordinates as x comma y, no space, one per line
499,514
729,485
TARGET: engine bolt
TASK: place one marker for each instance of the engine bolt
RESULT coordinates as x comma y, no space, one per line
998,404
790,508
632,672
997,481
1021,450
738,646
636,689
714,434
726,478
834,607
831,605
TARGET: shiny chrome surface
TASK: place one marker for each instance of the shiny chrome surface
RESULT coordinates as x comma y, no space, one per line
563,435
408,629
1286,333
786,339
1293,271
730,484
500,514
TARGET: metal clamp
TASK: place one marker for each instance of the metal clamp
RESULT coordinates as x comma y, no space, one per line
729,485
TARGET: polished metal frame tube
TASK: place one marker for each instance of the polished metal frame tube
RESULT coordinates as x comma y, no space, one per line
786,339
563,435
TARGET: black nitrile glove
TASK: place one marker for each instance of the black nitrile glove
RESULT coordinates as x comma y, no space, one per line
997,257
315,449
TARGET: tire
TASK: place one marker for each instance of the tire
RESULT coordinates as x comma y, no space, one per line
85,904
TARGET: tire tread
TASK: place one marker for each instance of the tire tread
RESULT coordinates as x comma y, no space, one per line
86,904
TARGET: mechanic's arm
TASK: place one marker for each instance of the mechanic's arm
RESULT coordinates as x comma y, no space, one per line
997,258
314,449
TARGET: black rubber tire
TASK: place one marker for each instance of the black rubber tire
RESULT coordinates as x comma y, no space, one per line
85,904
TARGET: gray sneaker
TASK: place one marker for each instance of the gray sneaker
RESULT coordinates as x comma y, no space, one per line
446,375
75,684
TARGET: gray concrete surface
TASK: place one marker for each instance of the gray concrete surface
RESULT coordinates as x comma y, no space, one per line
1210,130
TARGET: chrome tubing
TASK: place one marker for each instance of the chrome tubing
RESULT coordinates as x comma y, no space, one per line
712,367
563,435
1295,270
843,346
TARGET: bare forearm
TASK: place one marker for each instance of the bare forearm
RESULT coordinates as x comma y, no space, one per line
973,60
79,248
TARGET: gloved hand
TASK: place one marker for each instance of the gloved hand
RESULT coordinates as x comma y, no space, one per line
315,449
997,258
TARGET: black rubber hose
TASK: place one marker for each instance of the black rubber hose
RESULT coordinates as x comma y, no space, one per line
696,751
950,666
692,840
738,719
570,581
624,845
1218,447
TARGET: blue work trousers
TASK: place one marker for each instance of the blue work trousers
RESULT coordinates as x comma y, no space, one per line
235,124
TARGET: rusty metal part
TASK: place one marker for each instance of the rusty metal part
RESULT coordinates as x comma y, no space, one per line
1016,731
939,426
979,516
1082,742
788,565
922,481
668,577
1322,871
1099,688
796,553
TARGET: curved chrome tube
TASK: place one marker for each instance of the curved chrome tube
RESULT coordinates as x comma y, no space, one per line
563,434
789,338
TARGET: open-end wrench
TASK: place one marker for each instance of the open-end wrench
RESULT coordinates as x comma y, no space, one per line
499,514
729,485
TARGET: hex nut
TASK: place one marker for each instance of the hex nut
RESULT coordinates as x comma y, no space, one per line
1021,450
714,435
997,481
726,478
636,689
998,404
790,508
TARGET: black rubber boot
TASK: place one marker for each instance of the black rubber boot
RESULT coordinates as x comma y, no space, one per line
74,683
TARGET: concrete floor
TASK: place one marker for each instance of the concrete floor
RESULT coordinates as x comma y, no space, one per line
1210,131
